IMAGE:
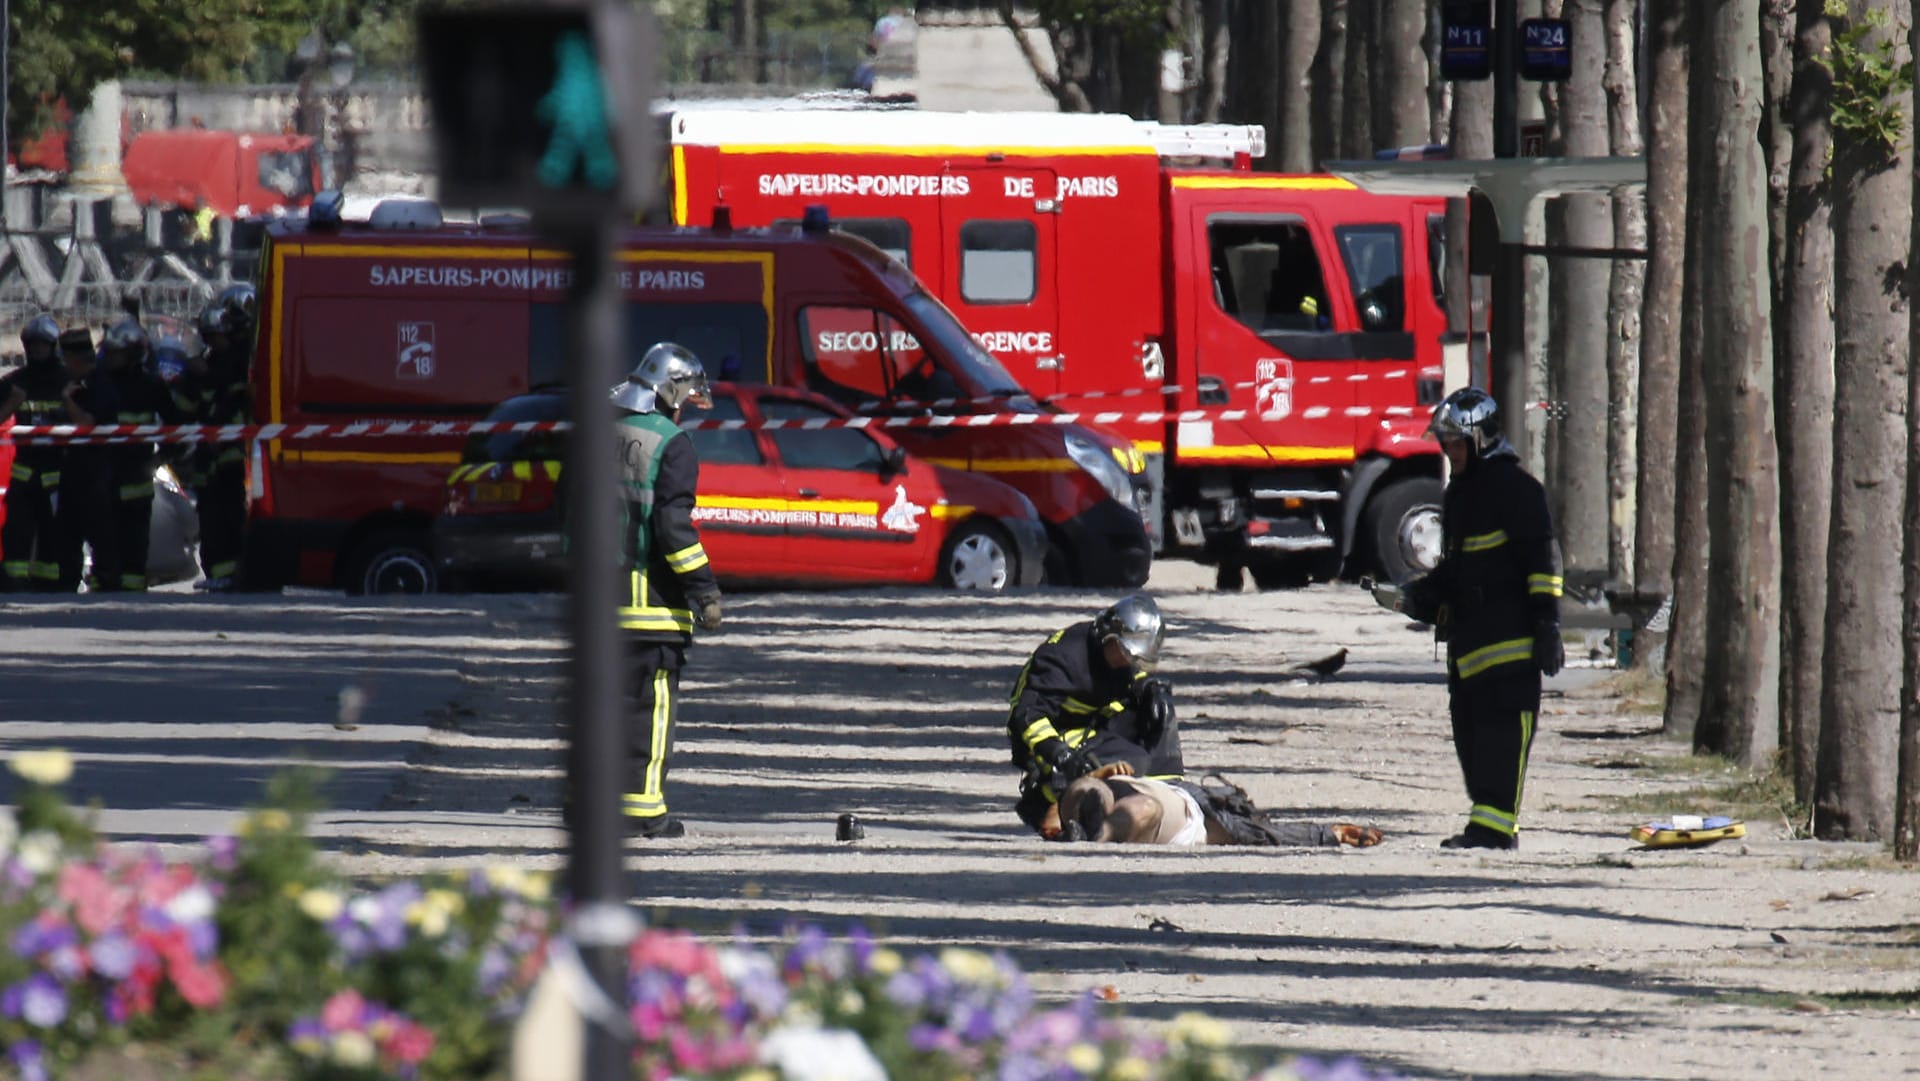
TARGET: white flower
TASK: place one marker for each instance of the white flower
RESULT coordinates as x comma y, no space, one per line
353,1049
364,910
813,1054
48,767
191,905
323,905
39,852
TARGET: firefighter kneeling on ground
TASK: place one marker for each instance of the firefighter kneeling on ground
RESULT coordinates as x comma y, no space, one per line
31,396
671,586
1495,599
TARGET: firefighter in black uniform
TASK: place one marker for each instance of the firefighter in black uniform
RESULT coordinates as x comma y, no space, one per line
85,513
215,392
144,399
29,553
1087,698
672,589
1495,599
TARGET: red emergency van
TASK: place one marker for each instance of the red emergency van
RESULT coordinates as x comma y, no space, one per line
237,174
1112,264
408,317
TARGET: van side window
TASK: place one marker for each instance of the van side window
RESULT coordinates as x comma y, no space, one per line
891,235
730,339
722,446
820,448
1372,255
857,355
998,261
1266,275
1437,257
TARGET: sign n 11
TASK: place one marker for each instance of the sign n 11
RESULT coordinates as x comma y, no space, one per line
1466,39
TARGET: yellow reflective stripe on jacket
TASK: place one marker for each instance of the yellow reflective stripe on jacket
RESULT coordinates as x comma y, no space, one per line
140,489
21,472
1040,731
523,471
639,615
1494,819
1507,652
1482,542
690,558
1544,584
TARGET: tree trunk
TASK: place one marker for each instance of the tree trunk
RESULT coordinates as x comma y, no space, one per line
1624,288
1906,810
1290,144
1440,96
1578,349
1860,702
1217,39
1330,80
1356,113
1660,317
746,41
1804,411
1470,136
1399,74
1739,709
1687,644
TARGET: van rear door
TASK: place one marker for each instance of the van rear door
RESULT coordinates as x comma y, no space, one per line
999,254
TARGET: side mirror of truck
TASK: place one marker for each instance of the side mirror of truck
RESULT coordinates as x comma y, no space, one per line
894,464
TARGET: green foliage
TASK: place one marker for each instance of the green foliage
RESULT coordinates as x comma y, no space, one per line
1140,20
1868,75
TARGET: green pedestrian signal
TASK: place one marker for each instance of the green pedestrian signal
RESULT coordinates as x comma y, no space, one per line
542,106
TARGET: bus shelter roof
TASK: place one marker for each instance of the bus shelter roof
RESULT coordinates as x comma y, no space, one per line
1511,183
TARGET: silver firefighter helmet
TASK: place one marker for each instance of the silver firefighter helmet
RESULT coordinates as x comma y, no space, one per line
1134,622
1471,415
667,377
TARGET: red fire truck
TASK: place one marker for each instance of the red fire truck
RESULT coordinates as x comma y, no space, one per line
1116,265
405,317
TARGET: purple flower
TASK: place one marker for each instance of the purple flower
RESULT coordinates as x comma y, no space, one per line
67,964
43,936
974,1025
27,1058
306,1028
42,1003
223,852
495,967
204,937
862,945
925,1037
113,956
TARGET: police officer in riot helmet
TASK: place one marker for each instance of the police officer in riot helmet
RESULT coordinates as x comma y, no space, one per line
216,393
670,587
143,399
1087,698
1495,599
30,395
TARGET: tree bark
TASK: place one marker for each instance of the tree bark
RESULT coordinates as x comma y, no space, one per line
1470,136
1399,74
1739,709
1290,146
1906,809
1330,80
1578,350
1687,643
1660,316
1216,60
1356,113
1625,285
1804,411
1855,776
1065,89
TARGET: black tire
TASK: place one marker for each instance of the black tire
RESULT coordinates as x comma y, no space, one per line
1294,570
1403,522
978,556
392,561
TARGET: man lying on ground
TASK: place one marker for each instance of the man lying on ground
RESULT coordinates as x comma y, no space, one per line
1112,805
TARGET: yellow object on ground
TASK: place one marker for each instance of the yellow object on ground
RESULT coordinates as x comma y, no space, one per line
1687,831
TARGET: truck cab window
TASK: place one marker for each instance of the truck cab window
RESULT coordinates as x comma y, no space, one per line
1437,258
1266,275
722,446
891,235
822,448
729,339
858,355
1372,255
998,262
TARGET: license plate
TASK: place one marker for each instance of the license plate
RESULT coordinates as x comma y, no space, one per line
503,492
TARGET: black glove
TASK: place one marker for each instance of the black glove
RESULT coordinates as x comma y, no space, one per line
1069,763
1549,652
706,612
1154,699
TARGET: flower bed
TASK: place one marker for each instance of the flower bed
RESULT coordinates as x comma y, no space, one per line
253,948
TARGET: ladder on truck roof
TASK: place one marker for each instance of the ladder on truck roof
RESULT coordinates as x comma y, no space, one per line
1226,141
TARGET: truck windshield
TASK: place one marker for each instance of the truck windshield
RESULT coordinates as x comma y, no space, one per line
976,364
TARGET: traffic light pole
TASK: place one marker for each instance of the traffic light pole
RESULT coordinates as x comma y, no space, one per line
603,926
1507,349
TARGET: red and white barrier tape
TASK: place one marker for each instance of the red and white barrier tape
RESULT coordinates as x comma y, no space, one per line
1163,392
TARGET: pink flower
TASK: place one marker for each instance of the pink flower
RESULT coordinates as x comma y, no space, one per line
688,1054
410,1043
678,953
343,1011
97,905
200,985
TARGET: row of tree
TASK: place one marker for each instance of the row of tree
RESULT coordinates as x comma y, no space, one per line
1750,381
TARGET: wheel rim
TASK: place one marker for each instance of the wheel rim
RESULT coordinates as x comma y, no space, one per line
978,562
399,572
1420,538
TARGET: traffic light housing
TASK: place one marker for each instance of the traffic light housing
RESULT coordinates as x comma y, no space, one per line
543,106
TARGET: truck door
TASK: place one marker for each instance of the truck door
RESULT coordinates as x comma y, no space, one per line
997,273
741,494
848,512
